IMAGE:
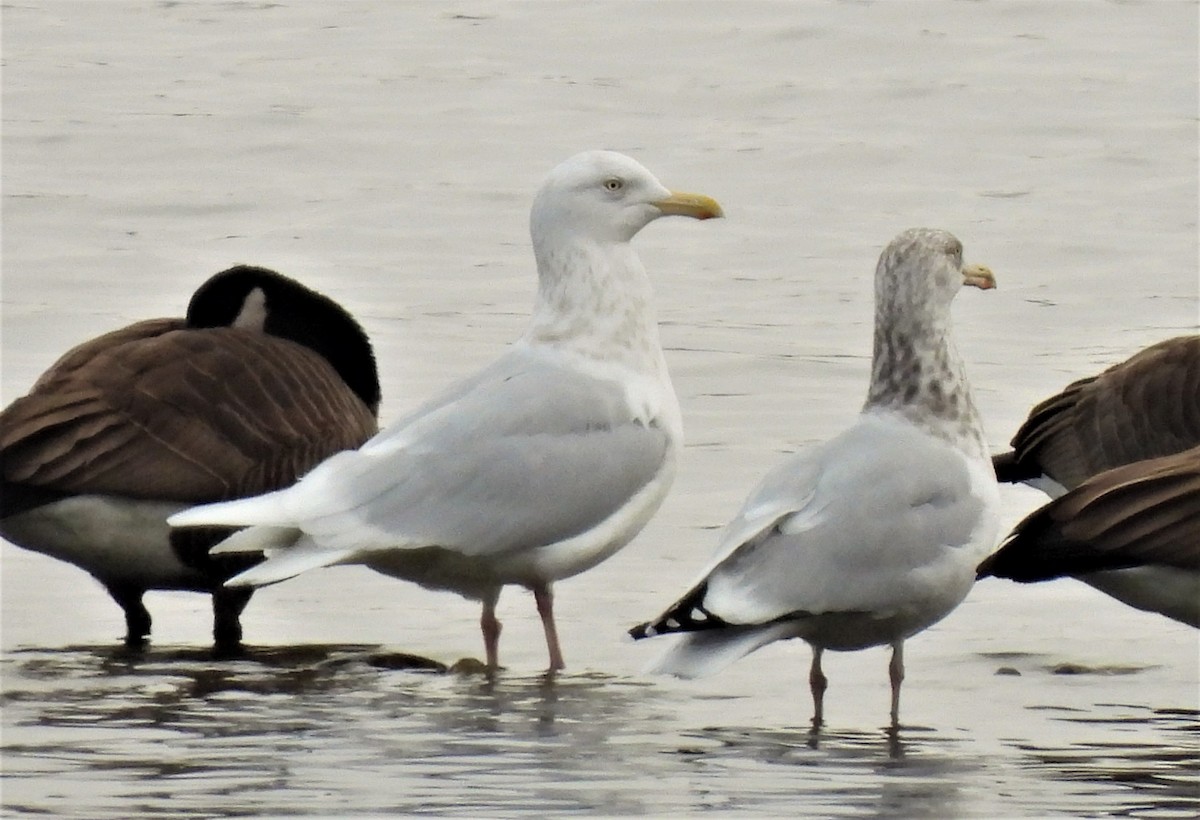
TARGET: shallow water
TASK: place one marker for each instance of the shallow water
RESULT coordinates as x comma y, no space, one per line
328,729
386,154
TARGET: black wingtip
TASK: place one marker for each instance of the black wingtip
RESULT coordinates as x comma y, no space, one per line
687,615
640,631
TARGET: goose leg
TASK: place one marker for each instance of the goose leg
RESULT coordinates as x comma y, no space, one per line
227,610
137,617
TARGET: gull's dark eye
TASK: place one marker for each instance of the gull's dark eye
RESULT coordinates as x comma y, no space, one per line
613,184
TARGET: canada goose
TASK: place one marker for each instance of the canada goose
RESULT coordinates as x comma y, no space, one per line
535,469
263,379
1120,454
872,536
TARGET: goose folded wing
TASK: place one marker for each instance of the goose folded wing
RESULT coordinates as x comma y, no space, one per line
1146,513
147,412
1145,407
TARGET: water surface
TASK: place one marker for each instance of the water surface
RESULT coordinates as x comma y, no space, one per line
386,154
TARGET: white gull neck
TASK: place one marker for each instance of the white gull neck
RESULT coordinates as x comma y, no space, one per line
595,300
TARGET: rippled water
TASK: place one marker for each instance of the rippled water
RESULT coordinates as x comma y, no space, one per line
386,153
326,729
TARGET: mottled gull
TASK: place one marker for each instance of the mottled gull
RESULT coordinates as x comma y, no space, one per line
1120,454
870,537
537,468
260,382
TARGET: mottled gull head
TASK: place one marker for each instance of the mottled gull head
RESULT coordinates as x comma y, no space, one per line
917,370
919,273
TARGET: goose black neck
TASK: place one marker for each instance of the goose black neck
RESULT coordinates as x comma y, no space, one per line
297,313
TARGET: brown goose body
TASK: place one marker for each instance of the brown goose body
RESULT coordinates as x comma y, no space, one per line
1121,454
1144,407
131,426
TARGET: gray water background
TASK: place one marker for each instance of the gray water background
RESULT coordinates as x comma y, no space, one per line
386,153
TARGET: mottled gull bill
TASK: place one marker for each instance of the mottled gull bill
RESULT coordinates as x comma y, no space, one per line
538,467
868,538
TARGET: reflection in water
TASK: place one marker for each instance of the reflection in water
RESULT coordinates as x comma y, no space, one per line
882,773
284,730
353,729
1164,777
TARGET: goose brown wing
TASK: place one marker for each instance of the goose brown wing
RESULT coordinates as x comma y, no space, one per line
1145,407
159,412
1147,513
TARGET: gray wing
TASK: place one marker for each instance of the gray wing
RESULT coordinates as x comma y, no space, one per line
524,454
877,511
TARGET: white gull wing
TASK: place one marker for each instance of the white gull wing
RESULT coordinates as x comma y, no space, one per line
707,651
303,555
531,451
879,517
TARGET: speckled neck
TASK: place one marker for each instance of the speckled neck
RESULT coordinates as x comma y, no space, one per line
917,372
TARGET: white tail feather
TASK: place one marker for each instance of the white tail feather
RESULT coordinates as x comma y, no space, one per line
289,562
702,653
257,539
266,510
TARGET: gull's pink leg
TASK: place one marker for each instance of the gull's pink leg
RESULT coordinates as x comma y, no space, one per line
491,630
818,683
896,673
544,597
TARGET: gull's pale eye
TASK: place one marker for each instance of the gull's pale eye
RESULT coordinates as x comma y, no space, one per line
613,184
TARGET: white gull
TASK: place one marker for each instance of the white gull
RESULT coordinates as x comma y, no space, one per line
537,468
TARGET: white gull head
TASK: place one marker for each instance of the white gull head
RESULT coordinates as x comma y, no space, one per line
594,298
